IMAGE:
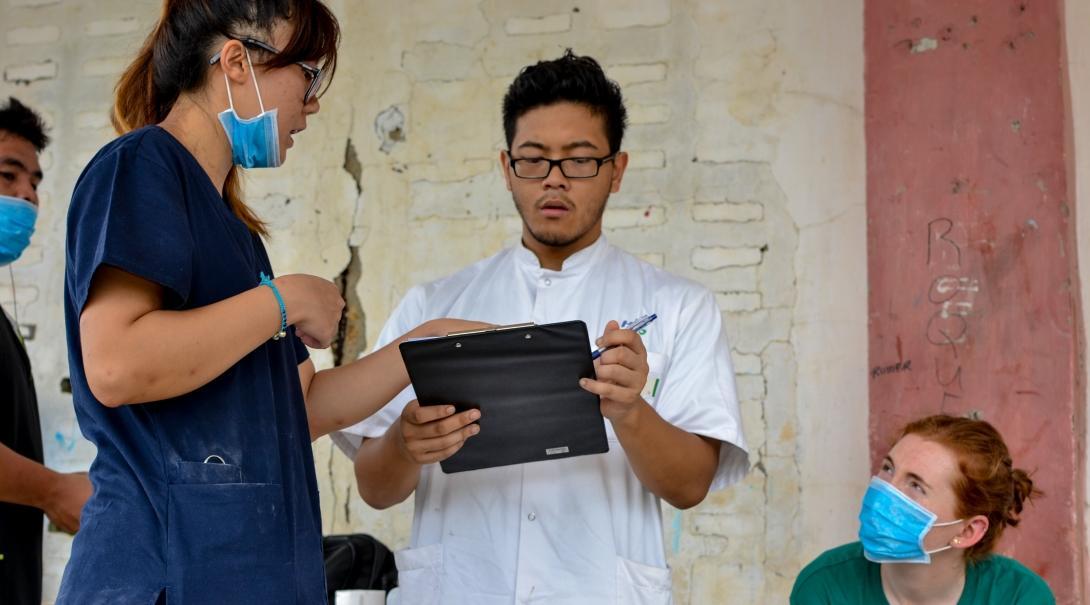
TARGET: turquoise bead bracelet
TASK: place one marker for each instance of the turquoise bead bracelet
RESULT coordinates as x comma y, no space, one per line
265,281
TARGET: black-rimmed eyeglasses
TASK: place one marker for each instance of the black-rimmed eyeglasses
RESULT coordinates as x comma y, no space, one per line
314,75
572,168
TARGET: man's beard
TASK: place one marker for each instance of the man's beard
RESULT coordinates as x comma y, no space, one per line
557,240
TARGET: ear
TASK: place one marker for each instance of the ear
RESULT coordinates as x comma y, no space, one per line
975,530
620,162
233,62
505,165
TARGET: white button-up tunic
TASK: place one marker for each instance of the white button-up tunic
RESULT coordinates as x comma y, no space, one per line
578,530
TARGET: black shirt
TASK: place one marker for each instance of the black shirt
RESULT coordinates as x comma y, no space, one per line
20,430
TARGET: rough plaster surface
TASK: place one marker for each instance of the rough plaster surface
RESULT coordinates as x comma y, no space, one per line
1078,70
974,294
747,175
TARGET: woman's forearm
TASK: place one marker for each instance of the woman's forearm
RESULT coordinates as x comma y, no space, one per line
342,396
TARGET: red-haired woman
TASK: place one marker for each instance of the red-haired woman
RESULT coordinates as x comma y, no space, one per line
189,370
928,525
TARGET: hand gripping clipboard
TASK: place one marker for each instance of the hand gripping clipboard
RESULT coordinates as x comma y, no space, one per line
525,380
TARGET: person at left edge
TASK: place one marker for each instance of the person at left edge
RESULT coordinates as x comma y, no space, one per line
27,488
201,401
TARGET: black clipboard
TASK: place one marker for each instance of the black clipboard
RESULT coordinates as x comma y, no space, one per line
525,381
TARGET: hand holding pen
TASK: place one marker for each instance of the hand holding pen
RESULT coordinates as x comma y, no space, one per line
635,325
621,368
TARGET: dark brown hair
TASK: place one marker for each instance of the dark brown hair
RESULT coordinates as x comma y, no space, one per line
19,120
989,484
174,60
570,78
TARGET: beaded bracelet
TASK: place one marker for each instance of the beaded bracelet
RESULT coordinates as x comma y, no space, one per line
265,281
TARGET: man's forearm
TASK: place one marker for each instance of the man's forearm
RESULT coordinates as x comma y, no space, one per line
22,480
384,476
673,464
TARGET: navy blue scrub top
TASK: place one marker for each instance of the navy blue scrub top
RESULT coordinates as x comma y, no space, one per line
165,517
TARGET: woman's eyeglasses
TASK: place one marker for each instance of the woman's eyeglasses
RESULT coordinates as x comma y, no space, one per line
314,75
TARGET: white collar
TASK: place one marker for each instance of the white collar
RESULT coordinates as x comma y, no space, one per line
574,264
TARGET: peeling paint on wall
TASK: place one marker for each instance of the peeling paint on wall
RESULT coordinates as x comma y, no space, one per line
925,45
390,128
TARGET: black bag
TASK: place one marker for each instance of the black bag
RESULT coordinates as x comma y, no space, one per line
357,561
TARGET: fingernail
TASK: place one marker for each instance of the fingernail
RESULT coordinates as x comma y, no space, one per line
582,382
475,430
450,410
474,415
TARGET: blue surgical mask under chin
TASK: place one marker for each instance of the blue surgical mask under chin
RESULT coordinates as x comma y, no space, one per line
17,218
255,142
892,526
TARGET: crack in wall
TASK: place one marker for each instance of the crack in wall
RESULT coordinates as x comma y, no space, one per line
347,501
353,166
332,482
351,339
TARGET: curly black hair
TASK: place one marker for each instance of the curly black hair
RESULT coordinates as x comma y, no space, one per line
19,120
571,78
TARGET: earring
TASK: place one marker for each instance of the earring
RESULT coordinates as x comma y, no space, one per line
957,541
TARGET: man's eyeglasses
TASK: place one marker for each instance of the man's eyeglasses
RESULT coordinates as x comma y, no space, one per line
314,75
572,168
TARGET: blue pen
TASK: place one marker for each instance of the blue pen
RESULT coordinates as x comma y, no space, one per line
637,325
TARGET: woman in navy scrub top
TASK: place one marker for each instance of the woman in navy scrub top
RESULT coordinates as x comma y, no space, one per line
204,485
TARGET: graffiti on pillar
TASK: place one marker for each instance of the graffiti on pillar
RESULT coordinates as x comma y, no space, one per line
893,368
952,293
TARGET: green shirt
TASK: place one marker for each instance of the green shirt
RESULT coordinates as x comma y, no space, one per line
842,576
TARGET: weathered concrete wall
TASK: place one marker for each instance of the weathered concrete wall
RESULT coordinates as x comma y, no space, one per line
1077,24
974,295
746,175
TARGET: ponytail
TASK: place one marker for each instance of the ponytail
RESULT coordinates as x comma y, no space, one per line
135,103
1022,491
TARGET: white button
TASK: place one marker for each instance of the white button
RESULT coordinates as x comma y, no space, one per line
548,282
531,516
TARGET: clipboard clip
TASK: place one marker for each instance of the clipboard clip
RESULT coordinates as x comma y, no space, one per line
528,324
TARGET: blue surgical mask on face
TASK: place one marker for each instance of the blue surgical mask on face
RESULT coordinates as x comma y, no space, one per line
892,526
17,217
255,142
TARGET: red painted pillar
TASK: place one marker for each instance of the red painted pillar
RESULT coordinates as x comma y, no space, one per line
973,283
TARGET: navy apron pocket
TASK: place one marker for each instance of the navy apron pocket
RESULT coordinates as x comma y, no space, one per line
205,472
228,542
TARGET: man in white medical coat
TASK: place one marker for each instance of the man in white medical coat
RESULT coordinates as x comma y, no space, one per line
580,530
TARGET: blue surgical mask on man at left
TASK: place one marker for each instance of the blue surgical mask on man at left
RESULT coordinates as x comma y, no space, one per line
255,142
17,218
892,526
